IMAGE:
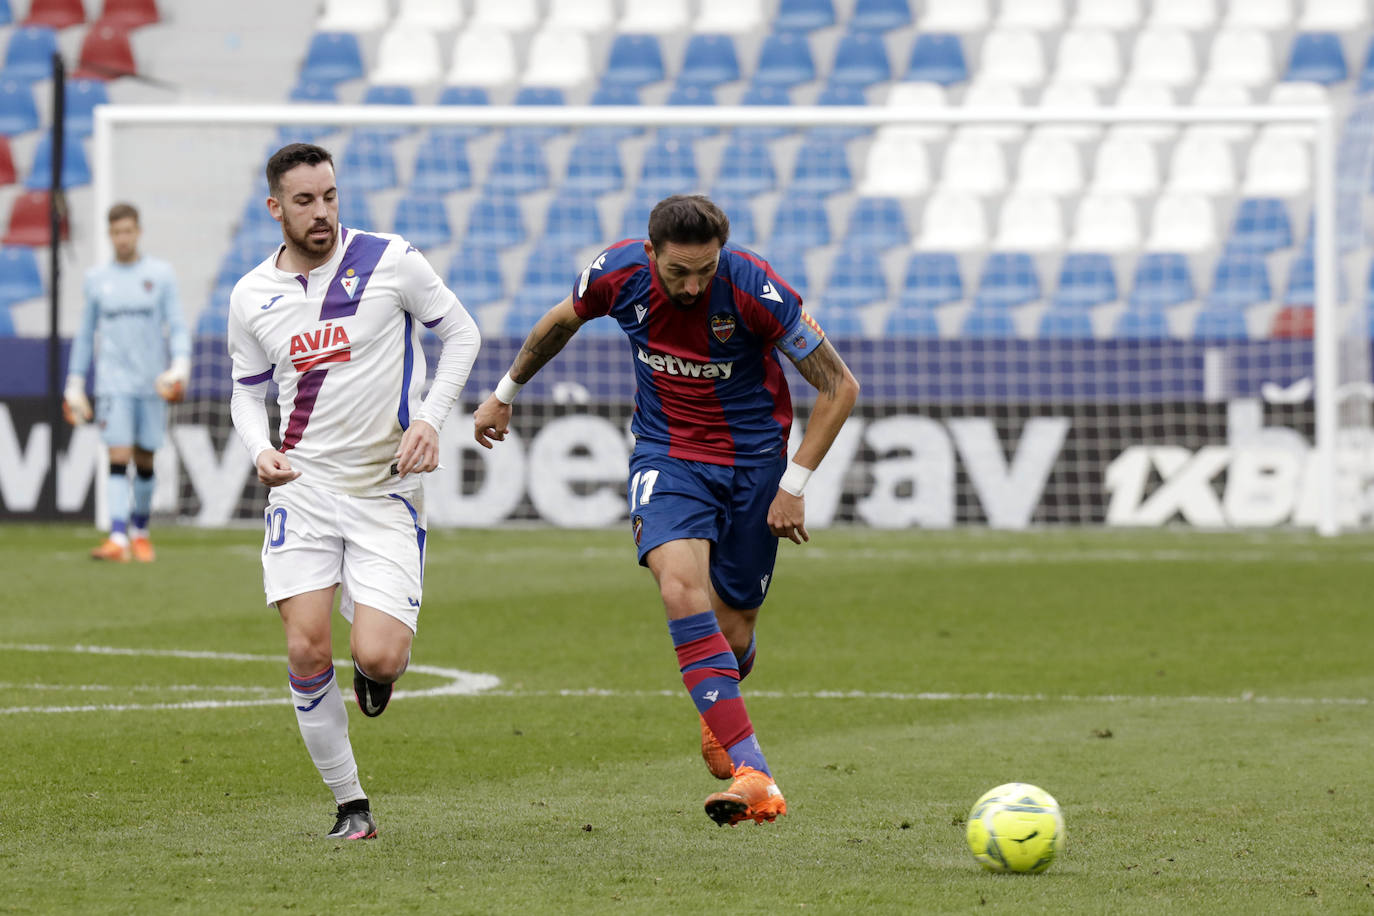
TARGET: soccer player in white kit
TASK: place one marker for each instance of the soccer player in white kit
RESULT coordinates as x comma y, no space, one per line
333,317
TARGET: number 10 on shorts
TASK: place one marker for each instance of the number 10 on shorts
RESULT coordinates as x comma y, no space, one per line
276,527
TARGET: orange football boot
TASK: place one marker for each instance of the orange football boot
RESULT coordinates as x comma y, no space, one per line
142,549
111,551
752,796
717,760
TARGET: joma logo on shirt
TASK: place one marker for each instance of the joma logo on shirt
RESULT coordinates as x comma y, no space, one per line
329,344
676,366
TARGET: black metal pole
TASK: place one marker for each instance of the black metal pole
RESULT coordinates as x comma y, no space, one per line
56,206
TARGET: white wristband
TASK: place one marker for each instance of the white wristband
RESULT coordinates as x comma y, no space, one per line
794,478
507,389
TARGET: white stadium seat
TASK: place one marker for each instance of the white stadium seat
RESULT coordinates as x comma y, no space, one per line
1163,56
1029,222
1224,94
1259,14
1032,14
435,15
1049,165
952,222
1105,222
1244,57
1012,56
974,165
1070,96
954,16
512,15
408,55
992,95
1333,15
1145,95
917,97
657,17
353,16
1202,163
728,17
1088,56
1182,222
895,166
1118,15
558,57
1184,14
586,15
1125,165
482,56
1278,166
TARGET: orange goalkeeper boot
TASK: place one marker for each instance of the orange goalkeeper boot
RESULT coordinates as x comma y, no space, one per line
142,549
752,796
111,551
717,760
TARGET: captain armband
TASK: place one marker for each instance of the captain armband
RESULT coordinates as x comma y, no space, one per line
802,339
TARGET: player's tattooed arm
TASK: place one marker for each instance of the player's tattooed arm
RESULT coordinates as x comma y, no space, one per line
824,369
545,341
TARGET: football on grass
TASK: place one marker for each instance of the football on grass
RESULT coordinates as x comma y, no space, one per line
1016,827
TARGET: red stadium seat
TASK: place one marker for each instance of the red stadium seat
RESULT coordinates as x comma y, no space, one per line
29,223
1293,321
106,54
7,174
130,14
57,14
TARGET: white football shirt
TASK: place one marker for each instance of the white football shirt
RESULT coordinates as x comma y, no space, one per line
343,346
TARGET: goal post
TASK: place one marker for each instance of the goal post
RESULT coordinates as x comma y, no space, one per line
1009,428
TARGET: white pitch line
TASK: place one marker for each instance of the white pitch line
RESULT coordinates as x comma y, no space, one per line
466,683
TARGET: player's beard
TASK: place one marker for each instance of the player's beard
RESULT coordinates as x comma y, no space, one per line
308,244
681,300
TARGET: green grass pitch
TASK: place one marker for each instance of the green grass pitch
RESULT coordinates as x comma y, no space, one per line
1200,704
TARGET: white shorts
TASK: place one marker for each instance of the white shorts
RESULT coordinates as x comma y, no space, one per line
373,545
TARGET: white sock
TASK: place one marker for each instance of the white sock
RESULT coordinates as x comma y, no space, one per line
323,720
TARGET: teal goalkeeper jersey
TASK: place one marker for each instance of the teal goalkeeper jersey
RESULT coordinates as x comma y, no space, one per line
133,325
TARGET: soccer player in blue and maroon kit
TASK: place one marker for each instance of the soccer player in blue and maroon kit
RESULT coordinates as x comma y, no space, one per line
711,489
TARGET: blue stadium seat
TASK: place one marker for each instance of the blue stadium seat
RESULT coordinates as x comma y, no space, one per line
670,167
804,15
1008,279
635,60
1261,225
594,166
987,322
856,278
390,95
785,60
18,112
822,167
911,322
213,320
1240,281
79,101
354,209
695,96
746,167
28,56
618,96
19,276
312,91
1316,57
1141,324
861,60
368,163
840,322
76,171
936,58
1366,81
740,210
932,279
6,16
1219,324
518,166
540,95
495,220
475,275
877,222
634,217
880,15
710,60
257,230
572,221
547,279
801,221
465,95
1086,279
1162,279
422,219
332,57
841,94
1301,288
773,96
441,164
1059,323
789,264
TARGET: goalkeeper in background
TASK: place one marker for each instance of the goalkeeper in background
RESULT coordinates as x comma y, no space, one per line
134,327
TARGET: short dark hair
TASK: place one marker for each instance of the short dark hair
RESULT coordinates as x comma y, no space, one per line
688,219
123,211
290,156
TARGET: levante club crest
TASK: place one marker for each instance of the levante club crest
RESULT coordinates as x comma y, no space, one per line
722,326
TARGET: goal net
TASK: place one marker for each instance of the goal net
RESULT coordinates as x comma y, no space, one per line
1058,315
